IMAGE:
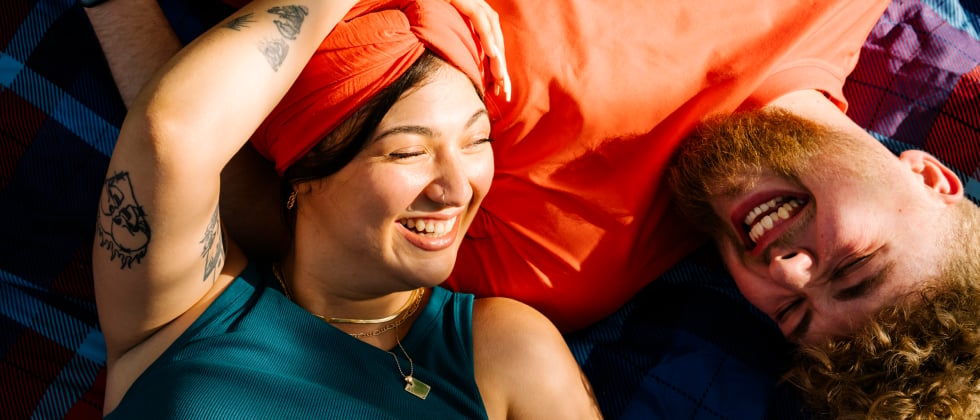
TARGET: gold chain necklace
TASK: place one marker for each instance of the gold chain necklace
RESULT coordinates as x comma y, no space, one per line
412,385
403,314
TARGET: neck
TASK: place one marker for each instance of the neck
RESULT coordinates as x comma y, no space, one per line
335,307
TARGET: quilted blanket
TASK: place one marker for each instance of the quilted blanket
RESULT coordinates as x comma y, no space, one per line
687,346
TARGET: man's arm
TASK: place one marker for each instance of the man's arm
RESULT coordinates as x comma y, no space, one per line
136,39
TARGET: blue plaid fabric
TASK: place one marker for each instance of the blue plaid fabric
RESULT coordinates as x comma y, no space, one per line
687,346
59,118
59,122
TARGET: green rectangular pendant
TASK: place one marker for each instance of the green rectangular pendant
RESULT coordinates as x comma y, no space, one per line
416,387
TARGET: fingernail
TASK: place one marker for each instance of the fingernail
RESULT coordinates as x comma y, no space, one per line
494,51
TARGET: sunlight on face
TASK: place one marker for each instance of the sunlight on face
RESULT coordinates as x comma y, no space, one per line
818,227
403,204
851,239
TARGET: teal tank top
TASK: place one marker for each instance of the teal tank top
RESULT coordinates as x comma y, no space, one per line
255,354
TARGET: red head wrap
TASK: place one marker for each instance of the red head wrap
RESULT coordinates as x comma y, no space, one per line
374,45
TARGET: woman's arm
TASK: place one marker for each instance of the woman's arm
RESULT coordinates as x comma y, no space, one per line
137,39
158,247
523,366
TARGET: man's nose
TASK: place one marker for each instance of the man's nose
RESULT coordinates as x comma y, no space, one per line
793,268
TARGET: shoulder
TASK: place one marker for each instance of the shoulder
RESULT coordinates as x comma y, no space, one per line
496,318
515,341
516,348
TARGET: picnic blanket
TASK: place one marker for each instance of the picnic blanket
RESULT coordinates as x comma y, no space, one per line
687,346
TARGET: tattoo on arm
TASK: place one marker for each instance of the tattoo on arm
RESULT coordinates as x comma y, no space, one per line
240,22
275,52
122,227
292,19
289,23
214,248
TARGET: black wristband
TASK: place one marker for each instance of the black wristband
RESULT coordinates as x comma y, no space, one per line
91,3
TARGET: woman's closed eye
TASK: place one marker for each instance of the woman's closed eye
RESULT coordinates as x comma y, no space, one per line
479,144
407,153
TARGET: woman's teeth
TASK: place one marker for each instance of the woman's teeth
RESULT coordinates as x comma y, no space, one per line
769,214
429,227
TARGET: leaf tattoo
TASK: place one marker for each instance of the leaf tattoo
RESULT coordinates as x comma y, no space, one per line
240,22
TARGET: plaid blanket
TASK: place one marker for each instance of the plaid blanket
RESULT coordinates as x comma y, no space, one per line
688,346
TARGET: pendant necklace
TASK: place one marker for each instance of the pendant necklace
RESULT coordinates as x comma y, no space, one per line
412,384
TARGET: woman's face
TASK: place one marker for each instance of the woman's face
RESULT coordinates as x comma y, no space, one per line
401,207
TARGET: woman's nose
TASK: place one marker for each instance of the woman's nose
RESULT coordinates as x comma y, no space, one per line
793,268
451,184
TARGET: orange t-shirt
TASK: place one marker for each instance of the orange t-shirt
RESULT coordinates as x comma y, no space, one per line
577,220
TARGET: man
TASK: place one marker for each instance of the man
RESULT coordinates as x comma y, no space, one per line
825,230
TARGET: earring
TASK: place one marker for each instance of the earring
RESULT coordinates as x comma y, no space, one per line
291,201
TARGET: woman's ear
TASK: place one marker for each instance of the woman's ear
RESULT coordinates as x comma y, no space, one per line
935,176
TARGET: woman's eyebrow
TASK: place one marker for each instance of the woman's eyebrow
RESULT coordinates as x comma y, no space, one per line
476,116
423,130
866,285
406,129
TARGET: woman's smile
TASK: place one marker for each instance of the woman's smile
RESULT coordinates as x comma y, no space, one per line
430,234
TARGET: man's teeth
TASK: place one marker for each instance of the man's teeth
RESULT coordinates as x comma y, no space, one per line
430,227
769,214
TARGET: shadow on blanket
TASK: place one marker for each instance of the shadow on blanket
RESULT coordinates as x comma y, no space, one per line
687,346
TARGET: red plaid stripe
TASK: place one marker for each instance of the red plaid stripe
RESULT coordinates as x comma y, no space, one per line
955,136
14,12
20,123
89,406
27,369
76,278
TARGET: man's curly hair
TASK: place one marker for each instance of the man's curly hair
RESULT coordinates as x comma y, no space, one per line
917,359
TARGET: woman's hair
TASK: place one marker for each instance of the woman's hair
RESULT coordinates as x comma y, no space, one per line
339,147
917,359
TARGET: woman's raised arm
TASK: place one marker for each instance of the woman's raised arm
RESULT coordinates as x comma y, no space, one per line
159,250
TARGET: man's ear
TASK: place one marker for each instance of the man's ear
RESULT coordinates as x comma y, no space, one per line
935,176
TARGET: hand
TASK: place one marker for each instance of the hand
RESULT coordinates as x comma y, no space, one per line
487,24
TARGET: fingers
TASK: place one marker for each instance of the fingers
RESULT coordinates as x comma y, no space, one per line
486,22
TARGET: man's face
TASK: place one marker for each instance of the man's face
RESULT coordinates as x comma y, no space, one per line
819,234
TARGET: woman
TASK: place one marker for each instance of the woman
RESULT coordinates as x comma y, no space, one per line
350,324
